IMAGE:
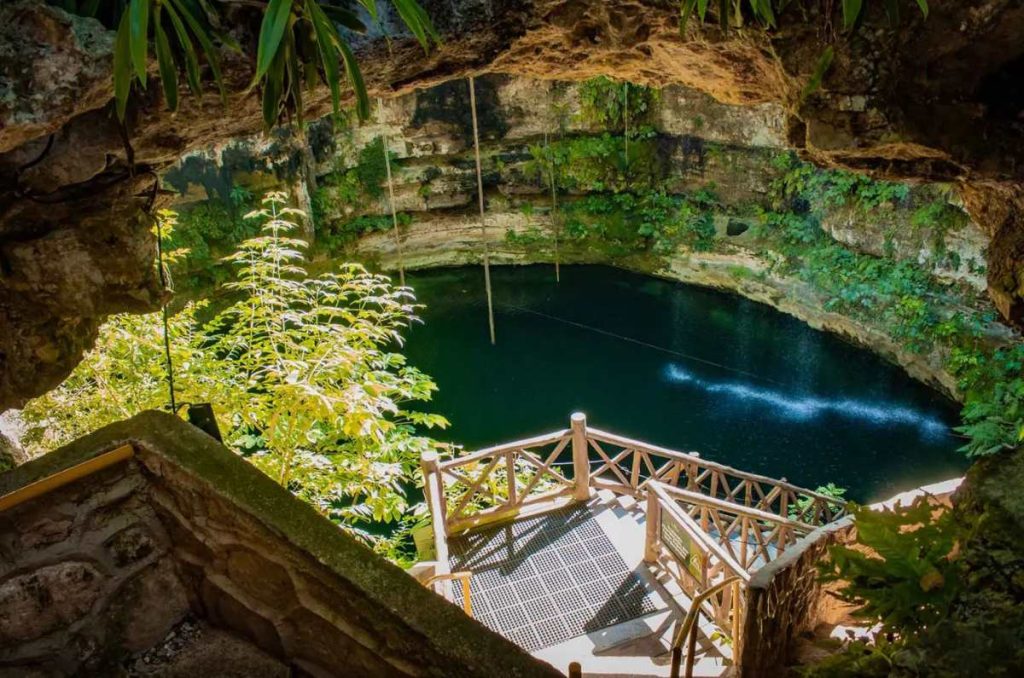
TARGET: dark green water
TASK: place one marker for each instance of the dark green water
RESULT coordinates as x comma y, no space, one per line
679,366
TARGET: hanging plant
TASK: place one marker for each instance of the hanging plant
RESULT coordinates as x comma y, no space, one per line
141,19
765,11
300,45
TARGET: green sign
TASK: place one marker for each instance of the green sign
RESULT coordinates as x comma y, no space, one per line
679,543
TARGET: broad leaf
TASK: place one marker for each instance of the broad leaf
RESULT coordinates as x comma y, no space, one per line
275,21
165,60
851,11
138,13
326,37
820,69
122,66
356,77
203,39
187,50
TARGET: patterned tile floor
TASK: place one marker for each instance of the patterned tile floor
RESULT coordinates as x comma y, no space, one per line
544,580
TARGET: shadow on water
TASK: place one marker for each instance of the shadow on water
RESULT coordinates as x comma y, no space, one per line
680,366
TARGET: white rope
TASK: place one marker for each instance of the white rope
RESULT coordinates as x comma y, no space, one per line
483,222
391,194
554,205
625,118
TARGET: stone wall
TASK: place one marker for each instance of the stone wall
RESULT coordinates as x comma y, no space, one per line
86,576
95,575
785,600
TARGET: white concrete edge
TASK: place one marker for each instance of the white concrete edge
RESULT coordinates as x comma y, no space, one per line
939,490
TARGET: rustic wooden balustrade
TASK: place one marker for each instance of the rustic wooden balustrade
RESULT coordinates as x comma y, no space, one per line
707,523
528,476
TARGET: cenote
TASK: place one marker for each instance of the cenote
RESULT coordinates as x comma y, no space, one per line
680,366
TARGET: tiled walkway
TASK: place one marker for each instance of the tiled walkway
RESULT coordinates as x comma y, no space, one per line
543,580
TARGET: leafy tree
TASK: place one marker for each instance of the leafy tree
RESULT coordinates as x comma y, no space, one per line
995,423
303,371
904,573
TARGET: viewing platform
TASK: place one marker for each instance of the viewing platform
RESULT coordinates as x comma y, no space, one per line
626,558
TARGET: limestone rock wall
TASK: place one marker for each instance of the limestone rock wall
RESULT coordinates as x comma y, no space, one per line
65,167
701,144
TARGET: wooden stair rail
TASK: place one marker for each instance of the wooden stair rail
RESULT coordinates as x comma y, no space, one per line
66,476
752,536
688,629
433,492
701,570
700,537
465,577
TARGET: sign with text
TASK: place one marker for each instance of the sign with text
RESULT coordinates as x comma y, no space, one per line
679,543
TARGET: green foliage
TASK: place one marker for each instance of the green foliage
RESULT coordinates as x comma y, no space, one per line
803,504
733,13
821,67
859,659
909,576
335,236
827,189
614,104
628,223
901,296
353,187
206,232
144,20
597,163
349,192
300,44
995,422
371,170
303,372
531,237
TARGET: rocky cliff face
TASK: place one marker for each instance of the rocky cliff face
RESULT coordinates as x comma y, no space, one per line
930,100
690,144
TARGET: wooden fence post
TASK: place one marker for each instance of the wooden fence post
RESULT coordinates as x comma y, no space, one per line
433,490
652,545
692,471
580,456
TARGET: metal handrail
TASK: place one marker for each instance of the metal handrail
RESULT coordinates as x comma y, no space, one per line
689,628
465,576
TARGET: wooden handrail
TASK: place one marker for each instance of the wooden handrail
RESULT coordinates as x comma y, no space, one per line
433,491
732,507
68,475
695,458
695,532
464,576
689,627
496,450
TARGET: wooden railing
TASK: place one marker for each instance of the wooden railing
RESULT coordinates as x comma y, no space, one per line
512,479
625,466
678,544
751,536
736,521
515,478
